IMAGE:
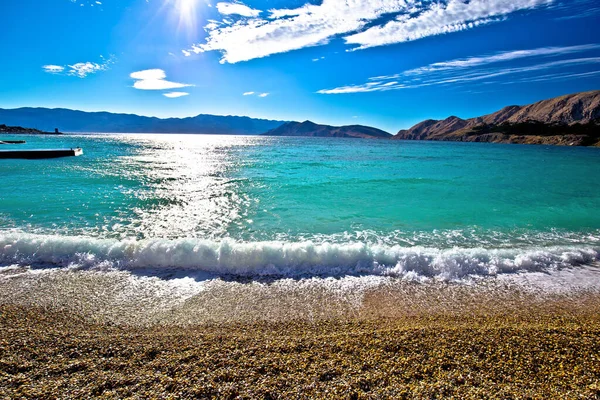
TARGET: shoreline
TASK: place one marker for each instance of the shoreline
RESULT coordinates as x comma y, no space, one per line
179,299
89,334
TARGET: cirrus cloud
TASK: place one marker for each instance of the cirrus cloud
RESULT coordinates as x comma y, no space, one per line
361,23
482,69
441,18
80,69
264,94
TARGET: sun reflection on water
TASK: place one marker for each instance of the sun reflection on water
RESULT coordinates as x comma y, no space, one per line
189,185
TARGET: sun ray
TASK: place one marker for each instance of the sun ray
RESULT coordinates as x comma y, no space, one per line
186,11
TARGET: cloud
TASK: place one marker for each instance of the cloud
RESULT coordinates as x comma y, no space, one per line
441,18
237,9
90,3
362,23
173,95
81,69
494,58
154,79
186,53
257,94
53,69
556,77
476,69
84,69
286,30
577,9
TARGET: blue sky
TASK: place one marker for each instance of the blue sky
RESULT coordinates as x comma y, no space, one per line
385,63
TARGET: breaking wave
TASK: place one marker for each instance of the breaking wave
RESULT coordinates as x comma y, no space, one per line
285,259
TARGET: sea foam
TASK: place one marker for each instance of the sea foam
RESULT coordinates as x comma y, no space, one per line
285,259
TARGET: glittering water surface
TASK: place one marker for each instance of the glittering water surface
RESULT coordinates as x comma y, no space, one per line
289,206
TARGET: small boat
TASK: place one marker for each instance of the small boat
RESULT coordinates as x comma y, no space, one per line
36,154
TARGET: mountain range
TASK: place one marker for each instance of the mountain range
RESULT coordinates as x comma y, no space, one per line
46,119
566,120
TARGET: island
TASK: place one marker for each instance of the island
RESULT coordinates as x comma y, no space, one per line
572,120
310,129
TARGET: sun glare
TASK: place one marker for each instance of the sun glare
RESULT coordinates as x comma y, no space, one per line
186,10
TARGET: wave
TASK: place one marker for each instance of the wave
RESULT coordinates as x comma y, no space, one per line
286,259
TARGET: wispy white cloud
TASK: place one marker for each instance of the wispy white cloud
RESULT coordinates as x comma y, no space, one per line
576,9
470,62
292,29
476,69
265,94
81,69
85,68
90,3
441,18
154,79
173,95
53,69
186,53
237,9
553,77
362,21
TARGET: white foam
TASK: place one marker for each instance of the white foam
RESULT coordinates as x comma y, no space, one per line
284,259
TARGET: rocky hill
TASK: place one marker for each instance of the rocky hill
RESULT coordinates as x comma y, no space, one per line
308,128
21,130
566,120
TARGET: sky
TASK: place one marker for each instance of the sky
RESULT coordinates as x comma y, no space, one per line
383,63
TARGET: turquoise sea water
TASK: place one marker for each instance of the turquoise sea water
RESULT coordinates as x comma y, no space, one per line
300,206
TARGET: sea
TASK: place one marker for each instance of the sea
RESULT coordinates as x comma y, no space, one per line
169,215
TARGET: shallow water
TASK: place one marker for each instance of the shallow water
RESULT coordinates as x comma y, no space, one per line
188,229
297,207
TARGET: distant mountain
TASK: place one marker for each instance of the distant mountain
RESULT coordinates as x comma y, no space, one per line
566,120
65,120
308,128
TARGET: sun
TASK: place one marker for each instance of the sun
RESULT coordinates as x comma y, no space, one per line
186,10
186,6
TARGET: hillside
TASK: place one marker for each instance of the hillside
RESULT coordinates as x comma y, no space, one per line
45,119
566,120
310,129
21,130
